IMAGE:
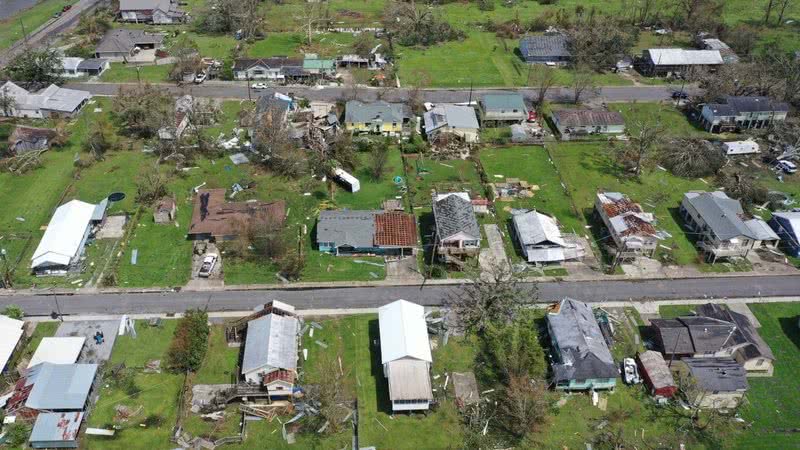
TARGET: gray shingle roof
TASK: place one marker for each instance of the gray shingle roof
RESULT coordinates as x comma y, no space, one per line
271,341
454,215
583,350
717,374
450,116
721,213
379,111
60,386
587,117
92,64
745,331
555,46
347,228
123,40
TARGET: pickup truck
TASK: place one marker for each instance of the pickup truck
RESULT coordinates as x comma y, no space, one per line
209,261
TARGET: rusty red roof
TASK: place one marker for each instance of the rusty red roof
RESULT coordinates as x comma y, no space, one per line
395,229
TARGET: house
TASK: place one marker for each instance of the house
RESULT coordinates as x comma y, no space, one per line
29,139
183,109
718,383
379,117
278,68
93,67
656,374
53,101
270,353
735,148
406,355
58,350
630,228
541,240
49,387
69,67
215,219
319,67
728,55
786,225
122,44
457,233
715,331
551,50
10,338
56,430
165,211
158,12
677,61
452,119
720,227
374,61
62,244
502,109
581,358
376,232
736,113
587,121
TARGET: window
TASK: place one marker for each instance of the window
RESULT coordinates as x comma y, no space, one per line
759,362
470,243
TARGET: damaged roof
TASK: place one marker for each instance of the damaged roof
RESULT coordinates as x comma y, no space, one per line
453,214
717,374
214,216
583,350
588,117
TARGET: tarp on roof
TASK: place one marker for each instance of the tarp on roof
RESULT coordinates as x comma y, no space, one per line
271,342
58,350
60,386
403,332
10,333
64,237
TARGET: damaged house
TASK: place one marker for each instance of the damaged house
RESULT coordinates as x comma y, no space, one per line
215,219
541,240
628,225
270,353
345,232
64,239
457,120
457,233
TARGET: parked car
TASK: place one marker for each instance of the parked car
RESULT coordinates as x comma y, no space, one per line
200,77
680,95
66,8
209,262
259,86
630,371
787,166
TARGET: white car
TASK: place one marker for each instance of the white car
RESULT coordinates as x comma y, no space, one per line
207,267
200,77
787,166
259,86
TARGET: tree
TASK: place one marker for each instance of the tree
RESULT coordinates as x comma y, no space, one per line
189,343
742,38
40,67
310,16
543,78
784,4
292,265
16,434
510,350
273,144
379,156
331,387
228,16
494,297
101,139
7,102
151,185
583,82
61,134
700,15
524,406
645,133
363,45
187,59
94,25
692,158
413,25
740,185
14,312
786,68
598,45
142,111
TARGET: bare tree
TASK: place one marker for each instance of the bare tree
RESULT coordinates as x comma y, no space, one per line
7,103
692,158
768,11
645,133
524,406
543,78
583,82
379,157
784,4
310,16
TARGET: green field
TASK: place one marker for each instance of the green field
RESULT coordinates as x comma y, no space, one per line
11,28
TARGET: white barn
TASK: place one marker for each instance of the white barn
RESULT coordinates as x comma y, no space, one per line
406,355
270,353
63,241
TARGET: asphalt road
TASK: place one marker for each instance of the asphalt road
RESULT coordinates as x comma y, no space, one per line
371,297
238,90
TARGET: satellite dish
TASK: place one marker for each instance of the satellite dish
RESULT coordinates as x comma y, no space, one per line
116,197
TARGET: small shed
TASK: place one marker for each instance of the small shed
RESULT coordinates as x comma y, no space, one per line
350,181
656,374
165,211
56,430
748,147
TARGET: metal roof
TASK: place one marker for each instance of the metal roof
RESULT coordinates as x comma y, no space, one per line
583,350
59,386
451,116
656,368
10,333
409,380
717,374
403,332
271,343
761,230
722,214
681,57
453,214
535,228
503,101
555,46
379,111
587,117
58,350
64,235
55,428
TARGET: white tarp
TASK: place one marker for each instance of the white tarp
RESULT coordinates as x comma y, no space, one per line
10,333
65,235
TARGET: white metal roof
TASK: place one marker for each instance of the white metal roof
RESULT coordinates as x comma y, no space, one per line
10,333
535,227
64,235
681,57
404,333
58,350
271,343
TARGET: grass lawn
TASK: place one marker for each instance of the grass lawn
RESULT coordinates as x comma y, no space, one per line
221,361
32,18
123,73
675,122
426,175
372,192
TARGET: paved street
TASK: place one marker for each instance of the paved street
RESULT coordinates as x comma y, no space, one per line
370,297
238,90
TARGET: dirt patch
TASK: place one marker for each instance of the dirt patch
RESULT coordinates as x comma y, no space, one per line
349,13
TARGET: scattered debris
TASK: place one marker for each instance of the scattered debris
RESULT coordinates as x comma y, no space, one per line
321,344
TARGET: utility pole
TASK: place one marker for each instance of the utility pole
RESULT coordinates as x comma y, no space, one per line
470,93
247,80
5,282
24,33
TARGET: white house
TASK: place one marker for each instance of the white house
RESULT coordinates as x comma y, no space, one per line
63,240
406,355
453,119
10,334
51,101
541,240
69,67
270,353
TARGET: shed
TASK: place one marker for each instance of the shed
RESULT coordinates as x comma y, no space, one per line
747,147
10,333
58,350
350,181
64,238
270,353
656,374
56,430
406,355
165,210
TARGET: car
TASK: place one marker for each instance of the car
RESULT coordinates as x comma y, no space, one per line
209,262
66,8
787,166
680,95
630,371
200,77
259,86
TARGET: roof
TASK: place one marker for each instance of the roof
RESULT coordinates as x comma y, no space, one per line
10,333
454,215
275,62
123,40
503,101
745,331
395,229
717,374
70,63
451,116
587,117
403,332
535,228
656,368
409,380
379,111
347,228
64,235
56,427
317,64
583,350
60,386
761,230
213,215
555,46
271,342
675,336
58,350
714,44
144,5
626,217
734,105
740,147
792,218
681,57
92,64
31,135
722,214
51,98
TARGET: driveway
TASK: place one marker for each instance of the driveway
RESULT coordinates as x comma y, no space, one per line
403,270
92,352
495,256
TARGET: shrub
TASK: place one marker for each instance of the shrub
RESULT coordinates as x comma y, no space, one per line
190,342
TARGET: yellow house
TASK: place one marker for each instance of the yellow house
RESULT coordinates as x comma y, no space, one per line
380,117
